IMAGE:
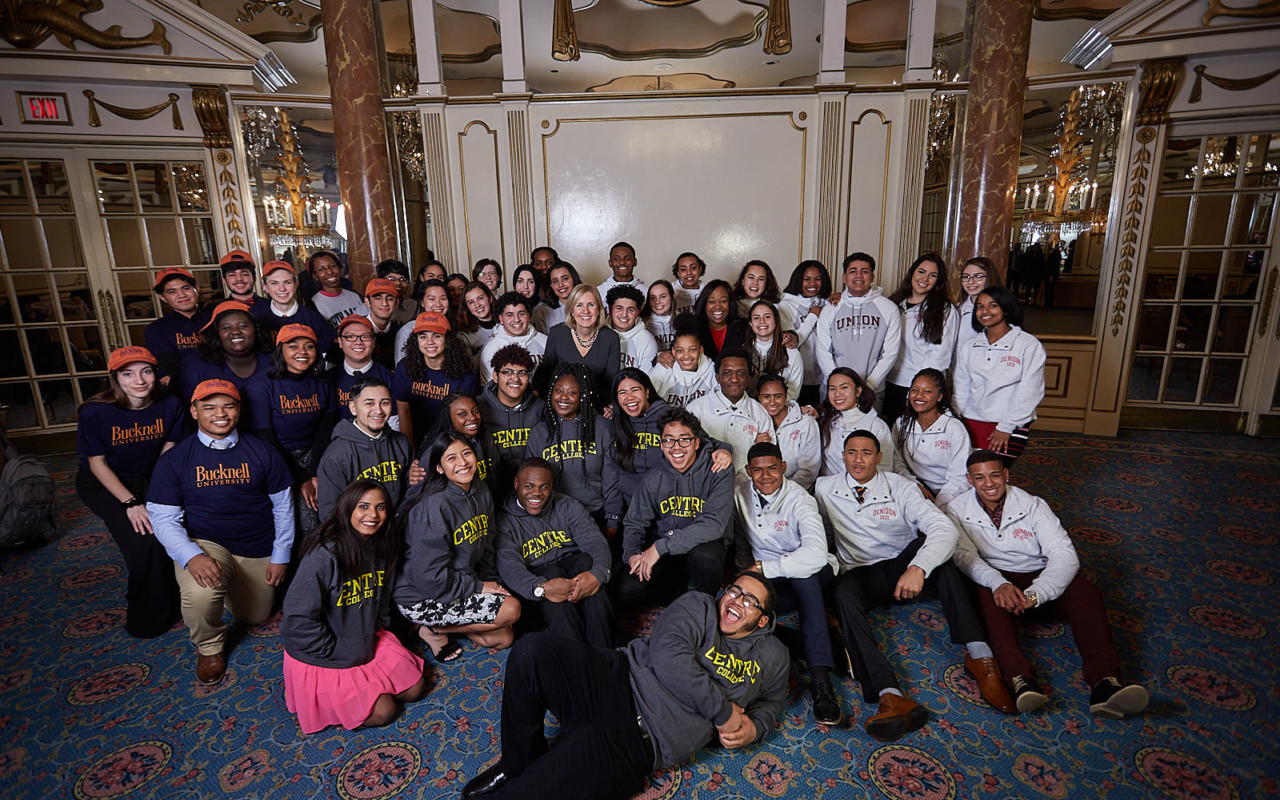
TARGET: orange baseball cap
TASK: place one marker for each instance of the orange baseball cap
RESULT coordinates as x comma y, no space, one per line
214,386
236,255
354,319
173,272
295,330
381,286
224,307
431,321
272,266
129,355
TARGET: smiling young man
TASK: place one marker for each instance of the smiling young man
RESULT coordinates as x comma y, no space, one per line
355,338
383,301
622,262
553,556
727,414
220,504
1023,562
509,409
709,668
864,330
365,446
636,344
875,518
280,281
680,520
238,276
176,335
512,312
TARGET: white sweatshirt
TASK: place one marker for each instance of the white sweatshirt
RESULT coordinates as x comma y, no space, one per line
1030,538
793,374
934,456
736,424
1002,382
686,299
801,444
964,327
846,423
637,347
608,284
861,333
806,323
885,522
678,387
916,352
533,341
662,329
787,536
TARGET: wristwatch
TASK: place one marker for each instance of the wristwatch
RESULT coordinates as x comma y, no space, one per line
1031,595
540,591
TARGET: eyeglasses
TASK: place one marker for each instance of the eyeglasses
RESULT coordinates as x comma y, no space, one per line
514,373
973,278
735,592
672,441
357,337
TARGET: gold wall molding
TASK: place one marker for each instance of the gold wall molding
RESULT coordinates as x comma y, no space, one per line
132,113
26,25
564,33
228,194
210,104
777,36
1156,87
466,206
1230,84
1264,9
1135,203
522,194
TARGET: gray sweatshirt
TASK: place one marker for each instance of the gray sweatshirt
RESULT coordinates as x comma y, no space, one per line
679,511
355,454
448,550
582,469
507,430
525,541
686,674
331,621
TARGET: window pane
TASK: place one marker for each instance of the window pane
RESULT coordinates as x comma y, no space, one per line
1162,275
1153,328
63,240
75,296
155,188
1210,227
1144,378
1181,160
1221,162
1223,382
1243,270
1253,218
1201,282
59,401
1234,323
162,235
115,192
19,408
21,247
13,189
200,243
1263,167
136,296
1183,379
91,386
6,310
209,282
126,243
193,189
34,298
11,363
47,355
1193,328
49,182
1169,221
87,351
137,334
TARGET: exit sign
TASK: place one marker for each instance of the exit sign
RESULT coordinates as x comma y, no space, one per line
44,108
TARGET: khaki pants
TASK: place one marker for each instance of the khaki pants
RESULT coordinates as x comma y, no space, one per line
244,589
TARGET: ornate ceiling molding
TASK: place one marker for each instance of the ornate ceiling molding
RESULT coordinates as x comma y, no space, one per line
210,103
939,40
753,35
308,34
680,82
1054,10
1156,87
1264,9
26,25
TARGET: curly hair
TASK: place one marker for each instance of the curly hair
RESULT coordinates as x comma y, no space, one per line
909,419
457,358
512,354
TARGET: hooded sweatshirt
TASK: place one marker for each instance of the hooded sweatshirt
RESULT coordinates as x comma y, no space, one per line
806,322
354,454
507,429
861,333
526,541
533,341
663,330
582,469
801,444
845,423
448,550
687,674
677,511
679,387
637,347
331,621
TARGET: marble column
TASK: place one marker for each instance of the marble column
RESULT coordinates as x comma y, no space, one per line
360,134
993,129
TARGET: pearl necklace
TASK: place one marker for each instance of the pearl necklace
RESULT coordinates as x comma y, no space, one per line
582,344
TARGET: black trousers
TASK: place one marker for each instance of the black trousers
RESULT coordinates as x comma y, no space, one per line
704,565
863,588
601,752
589,620
151,593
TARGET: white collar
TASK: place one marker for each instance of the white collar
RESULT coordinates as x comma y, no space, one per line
226,443
288,312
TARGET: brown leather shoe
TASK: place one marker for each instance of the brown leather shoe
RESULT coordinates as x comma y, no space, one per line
898,715
210,669
990,684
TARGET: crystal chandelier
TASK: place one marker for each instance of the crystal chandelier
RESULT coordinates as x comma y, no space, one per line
407,125
296,218
942,116
259,131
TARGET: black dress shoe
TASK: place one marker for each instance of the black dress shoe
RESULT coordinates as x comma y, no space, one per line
490,780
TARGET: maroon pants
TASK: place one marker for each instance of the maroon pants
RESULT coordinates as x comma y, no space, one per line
1080,606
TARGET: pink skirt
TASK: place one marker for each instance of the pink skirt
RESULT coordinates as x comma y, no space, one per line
324,696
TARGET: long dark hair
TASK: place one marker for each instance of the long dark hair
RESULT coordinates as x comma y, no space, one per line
280,370
828,412
700,308
210,347
771,291
1008,302
796,284
551,299
444,422
457,358
586,406
539,286
647,312
432,452
354,550
112,393
624,442
933,317
909,418
777,359
464,320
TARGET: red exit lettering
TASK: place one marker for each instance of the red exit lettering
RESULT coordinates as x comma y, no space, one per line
44,108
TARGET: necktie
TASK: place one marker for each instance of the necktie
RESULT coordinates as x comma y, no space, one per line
860,491
764,501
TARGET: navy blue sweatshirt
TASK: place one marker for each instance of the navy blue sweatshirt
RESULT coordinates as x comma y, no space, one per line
173,338
563,528
330,620
449,551
192,371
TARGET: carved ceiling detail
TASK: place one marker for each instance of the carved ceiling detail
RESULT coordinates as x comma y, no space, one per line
27,24
1053,10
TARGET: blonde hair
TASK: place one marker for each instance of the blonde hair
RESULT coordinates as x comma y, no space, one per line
571,302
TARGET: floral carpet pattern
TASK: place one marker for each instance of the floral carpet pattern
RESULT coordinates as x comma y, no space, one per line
1179,530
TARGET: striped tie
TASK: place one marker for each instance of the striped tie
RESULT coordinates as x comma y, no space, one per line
861,491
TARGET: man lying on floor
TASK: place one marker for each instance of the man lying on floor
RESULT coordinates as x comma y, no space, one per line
710,667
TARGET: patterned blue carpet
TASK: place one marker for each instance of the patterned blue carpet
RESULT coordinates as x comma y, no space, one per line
1179,530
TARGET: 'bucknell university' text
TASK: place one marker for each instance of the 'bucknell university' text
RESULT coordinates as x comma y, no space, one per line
138,433
221,475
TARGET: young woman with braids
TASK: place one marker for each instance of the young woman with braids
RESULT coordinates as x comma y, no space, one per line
575,438
929,323
436,362
930,443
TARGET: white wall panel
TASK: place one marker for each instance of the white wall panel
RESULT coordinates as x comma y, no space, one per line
869,147
482,200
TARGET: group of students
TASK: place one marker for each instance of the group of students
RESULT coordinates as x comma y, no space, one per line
497,462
